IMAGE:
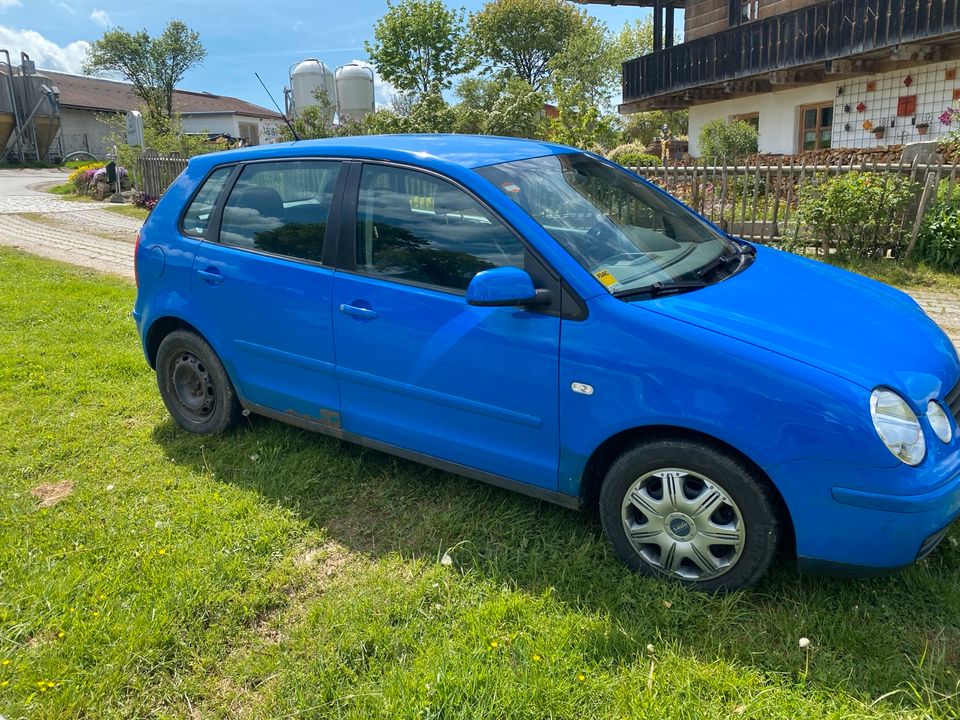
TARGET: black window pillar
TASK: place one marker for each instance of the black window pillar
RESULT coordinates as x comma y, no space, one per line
657,25
668,26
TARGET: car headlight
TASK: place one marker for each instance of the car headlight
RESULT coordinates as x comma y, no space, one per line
942,427
897,426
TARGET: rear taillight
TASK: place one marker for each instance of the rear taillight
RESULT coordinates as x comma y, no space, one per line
136,252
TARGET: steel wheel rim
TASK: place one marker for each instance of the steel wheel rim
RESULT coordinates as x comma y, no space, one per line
192,386
683,524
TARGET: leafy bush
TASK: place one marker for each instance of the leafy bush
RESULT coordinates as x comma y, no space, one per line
938,243
633,155
727,141
858,213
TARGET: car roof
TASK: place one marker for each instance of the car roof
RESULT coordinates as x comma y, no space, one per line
468,151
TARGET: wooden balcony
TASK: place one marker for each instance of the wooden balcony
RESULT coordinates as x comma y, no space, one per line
800,47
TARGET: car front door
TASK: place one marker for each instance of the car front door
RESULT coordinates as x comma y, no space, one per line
265,282
421,369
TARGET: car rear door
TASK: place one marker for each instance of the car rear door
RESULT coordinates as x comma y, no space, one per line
264,279
419,368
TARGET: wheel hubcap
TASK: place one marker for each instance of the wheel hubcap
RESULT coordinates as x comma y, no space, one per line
192,385
683,524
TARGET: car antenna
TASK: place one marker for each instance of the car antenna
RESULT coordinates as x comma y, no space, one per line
282,114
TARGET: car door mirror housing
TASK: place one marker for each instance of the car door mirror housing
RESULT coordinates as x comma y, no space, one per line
503,287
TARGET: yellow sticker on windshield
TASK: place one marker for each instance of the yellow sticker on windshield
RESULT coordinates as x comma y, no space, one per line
606,278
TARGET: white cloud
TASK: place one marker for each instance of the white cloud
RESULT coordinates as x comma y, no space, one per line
4,4
45,53
68,8
383,91
100,17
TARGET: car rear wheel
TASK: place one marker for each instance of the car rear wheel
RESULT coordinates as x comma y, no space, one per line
683,510
195,386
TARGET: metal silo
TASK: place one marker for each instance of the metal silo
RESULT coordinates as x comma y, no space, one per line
306,79
355,92
8,112
38,108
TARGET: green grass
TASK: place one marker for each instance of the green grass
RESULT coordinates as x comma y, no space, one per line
66,191
274,573
903,274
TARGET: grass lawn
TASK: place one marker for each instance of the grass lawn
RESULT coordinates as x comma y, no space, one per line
274,573
66,191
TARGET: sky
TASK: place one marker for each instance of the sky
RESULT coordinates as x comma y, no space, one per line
241,36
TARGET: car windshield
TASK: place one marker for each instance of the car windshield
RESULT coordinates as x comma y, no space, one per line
628,235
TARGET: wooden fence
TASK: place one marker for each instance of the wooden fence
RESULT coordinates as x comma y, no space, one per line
759,202
156,172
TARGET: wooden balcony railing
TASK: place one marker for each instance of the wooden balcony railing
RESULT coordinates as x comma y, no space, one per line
816,34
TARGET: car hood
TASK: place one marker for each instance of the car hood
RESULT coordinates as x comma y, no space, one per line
846,324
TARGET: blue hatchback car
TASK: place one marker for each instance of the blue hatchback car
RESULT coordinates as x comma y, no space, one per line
537,317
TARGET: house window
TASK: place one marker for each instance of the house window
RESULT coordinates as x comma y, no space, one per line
744,11
816,126
750,119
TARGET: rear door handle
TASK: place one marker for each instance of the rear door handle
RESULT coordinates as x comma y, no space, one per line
211,275
358,312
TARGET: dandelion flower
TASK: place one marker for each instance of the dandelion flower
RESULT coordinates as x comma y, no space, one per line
161,551
96,613
493,643
804,643
537,658
6,662
446,560
581,677
61,634
4,683
102,596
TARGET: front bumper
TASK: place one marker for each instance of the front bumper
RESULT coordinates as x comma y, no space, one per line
853,531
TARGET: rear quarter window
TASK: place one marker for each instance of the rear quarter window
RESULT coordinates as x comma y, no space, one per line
196,219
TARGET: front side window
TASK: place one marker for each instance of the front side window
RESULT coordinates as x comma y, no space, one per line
281,208
415,227
626,234
197,218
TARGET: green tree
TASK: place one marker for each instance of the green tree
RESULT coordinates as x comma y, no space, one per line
644,127
499,107
521,37
419,46
154,66
588,58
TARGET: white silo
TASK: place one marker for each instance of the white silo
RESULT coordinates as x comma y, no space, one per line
355,96
306,79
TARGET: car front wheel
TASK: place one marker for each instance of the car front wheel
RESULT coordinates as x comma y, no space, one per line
195,386
683,510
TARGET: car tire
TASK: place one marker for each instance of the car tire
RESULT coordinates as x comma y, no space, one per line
195,386
681,509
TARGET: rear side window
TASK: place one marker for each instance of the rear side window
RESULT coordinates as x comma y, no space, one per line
197,218
281,208
416,227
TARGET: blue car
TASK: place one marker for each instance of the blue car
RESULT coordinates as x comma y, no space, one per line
539,318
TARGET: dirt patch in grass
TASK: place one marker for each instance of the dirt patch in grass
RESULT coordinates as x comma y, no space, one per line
49,494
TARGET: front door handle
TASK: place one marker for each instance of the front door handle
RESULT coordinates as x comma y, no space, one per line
361,313
211,275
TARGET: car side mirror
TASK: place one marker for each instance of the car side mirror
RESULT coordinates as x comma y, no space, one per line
504,287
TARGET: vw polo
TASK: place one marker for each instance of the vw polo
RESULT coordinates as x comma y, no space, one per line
536,317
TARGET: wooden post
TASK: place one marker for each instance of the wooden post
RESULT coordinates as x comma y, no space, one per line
774,231
929,189
657,25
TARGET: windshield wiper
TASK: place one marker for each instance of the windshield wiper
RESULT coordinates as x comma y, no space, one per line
722,260
660,288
